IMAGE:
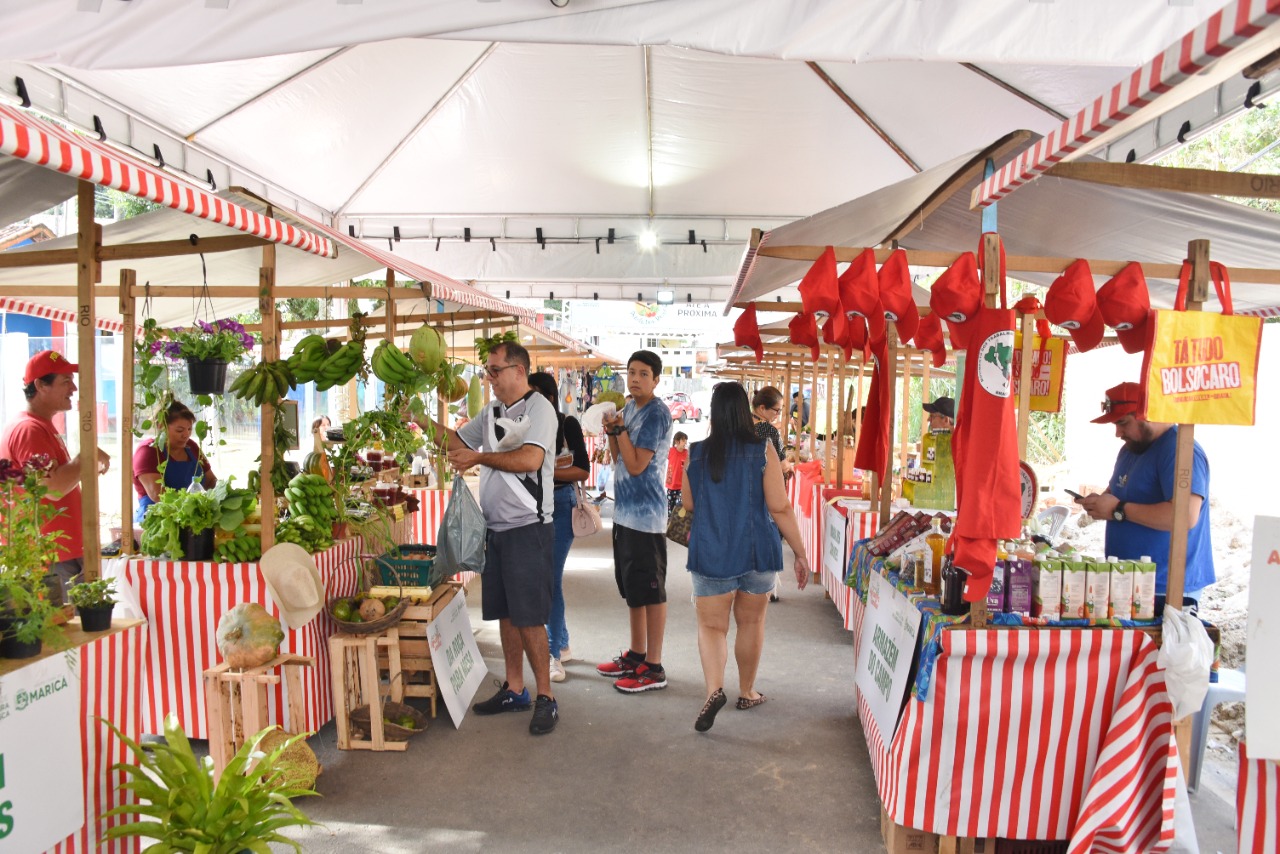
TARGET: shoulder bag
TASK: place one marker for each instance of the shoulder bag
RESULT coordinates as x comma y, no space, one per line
680,525
586,516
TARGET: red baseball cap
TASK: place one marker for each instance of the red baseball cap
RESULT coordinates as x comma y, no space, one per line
818,289
47,362
957,296
896,296
1072,304
929,337
1125,305
804,330
1124,399
746,332
860,293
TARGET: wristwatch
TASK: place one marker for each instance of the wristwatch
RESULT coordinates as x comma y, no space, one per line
1118,513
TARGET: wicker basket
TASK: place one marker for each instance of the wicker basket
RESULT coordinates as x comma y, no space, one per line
390,731
370,627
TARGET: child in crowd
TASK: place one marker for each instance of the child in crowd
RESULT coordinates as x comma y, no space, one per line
676,459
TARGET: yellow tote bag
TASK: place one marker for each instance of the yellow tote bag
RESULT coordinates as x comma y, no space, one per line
1202,367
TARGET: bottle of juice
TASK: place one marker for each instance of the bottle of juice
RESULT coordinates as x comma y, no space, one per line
952,590
937,542
921,562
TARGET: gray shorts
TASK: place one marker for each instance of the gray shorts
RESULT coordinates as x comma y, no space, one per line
516,583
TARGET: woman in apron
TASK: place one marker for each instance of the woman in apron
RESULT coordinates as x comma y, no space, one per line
180,455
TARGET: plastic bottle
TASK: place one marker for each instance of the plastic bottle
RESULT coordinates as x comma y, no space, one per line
952,590
937,542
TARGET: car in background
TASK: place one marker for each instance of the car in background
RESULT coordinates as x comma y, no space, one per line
683,408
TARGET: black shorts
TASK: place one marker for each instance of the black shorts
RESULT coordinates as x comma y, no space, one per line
640,566
516,583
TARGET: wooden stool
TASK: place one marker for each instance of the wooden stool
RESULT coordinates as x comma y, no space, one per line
356,682
236,702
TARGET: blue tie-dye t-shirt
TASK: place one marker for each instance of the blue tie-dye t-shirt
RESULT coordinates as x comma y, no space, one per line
641,500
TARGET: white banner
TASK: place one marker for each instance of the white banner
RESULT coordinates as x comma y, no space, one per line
885,648
41,777
456,658
834,528
1262,702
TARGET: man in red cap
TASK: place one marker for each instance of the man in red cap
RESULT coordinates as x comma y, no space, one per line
1138,503
48,387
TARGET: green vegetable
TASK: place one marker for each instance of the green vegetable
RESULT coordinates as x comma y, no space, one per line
176,511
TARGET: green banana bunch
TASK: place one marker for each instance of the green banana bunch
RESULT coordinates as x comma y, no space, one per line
310,495
308,355
393,367
340,367
241,549
265,382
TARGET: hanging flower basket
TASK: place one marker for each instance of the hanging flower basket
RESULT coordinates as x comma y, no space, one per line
207,376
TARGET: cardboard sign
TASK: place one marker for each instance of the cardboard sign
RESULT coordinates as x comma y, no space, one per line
1048,366
885,649
1262,639
1202,368
41,784
834,528
459,667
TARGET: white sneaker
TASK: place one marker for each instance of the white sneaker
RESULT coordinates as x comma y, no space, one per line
566,654
557,670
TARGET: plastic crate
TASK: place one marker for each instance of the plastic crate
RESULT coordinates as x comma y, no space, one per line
411,568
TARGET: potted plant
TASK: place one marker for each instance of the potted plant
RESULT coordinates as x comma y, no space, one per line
181,524
27,610
95,600
186,810
207,349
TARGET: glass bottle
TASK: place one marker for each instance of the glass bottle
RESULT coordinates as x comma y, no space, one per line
937,542
953,578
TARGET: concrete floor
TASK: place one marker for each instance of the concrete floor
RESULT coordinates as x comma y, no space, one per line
623,772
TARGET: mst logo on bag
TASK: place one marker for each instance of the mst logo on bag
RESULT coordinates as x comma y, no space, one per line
995,363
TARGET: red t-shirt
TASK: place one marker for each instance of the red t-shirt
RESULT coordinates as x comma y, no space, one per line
23,439
675,467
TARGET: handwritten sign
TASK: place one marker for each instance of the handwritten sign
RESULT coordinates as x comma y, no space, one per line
885,649
39,719
834,528
459,667
1262,702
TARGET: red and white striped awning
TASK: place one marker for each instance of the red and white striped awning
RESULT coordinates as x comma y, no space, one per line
20,307
35,140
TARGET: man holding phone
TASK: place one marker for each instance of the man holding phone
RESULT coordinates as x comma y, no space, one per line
1138,503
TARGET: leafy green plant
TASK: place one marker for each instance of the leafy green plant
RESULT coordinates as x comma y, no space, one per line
185,810
93,594
176,511
26,552
484,345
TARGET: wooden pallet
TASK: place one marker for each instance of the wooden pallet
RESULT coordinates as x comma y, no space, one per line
354,660
236,702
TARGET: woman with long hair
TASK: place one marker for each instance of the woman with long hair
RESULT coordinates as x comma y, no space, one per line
174,452
733,485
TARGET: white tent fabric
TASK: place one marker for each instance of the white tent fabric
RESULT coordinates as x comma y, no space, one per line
26,189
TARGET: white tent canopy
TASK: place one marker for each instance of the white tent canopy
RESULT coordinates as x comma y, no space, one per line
706,116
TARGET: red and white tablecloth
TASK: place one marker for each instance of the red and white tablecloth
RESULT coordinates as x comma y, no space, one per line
1258,804
110,689
182,603
1036,734
858,525
425,524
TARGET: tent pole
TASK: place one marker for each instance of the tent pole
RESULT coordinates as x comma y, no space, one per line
88,270
886,487
904,433
844,364
128,307
827,449
270,353
1024,383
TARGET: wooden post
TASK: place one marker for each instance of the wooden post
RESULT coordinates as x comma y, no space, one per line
1024,382
886,488
270,353
925,395
840,430
905,432
128,305
831,400
1184,456
991,285
786,407
88,242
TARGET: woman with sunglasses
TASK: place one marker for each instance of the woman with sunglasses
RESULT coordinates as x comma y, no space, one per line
733,485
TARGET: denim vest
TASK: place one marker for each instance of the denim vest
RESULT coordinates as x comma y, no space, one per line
733,531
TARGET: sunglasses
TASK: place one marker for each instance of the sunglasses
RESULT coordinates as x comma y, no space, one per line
1108,405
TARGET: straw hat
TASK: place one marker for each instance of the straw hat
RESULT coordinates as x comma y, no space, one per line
294,583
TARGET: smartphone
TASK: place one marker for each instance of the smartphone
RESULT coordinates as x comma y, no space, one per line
1077,496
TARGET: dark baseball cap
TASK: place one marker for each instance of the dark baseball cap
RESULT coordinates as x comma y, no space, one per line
942,406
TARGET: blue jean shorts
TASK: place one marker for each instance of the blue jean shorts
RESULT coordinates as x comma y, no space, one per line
752,582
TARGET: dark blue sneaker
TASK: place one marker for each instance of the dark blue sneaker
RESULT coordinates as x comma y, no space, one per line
546,712
505,700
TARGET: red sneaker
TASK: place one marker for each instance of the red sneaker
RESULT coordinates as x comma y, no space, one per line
622,666
645,679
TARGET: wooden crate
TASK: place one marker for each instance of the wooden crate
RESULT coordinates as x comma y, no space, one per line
357,682
418,672
236,702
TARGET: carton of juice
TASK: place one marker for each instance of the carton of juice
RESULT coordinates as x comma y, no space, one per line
1121,588
1046,598
1144,589
996,601
1075,587
1098,595
1020,583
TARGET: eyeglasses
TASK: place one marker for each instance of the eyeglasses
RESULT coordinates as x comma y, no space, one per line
493,371
1108,405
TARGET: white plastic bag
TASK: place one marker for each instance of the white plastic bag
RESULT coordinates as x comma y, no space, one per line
1186,654
593,419
460,538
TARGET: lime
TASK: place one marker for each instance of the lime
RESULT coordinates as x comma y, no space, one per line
390,602
342,610
355,618
407,722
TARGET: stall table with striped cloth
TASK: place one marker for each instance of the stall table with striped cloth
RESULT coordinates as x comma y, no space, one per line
182,603
425,523
1033,734
859,524
1258,804
108,663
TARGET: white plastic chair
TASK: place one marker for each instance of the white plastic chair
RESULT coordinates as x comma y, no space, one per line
1052,519
1228,689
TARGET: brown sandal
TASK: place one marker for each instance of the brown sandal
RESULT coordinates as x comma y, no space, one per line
748,703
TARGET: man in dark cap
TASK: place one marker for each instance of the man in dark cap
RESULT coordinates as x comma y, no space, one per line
942,414
49,387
